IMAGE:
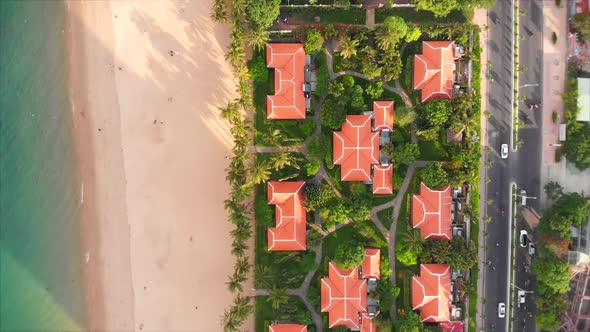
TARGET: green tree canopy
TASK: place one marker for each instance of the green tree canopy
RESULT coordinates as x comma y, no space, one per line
313,41
349,255
393,30
404,154
553,275
550,309
258,70
348,47
335,212
439,8
434,176
574,207
375,90
318,197
408,320
357,99
413,34
581,24
360,209
262,13
333,115
437,112
404,115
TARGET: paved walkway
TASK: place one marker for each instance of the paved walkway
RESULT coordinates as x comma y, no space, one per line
370,20
481,19
554,78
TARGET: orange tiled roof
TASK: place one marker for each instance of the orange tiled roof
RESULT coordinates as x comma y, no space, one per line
383,114
383,179
356,147
289,234
288,102
367,324
431,292
287,328
344,296
433,70
431,212
371,266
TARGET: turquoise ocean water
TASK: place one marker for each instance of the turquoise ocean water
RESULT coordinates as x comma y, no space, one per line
40,258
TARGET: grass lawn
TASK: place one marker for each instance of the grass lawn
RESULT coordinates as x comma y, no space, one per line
386,217
290,312
326,15
433,150
420,17
365,233
407,75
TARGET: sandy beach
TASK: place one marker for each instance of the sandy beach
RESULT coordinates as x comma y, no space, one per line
146,80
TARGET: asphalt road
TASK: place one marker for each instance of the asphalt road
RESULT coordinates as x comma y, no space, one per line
521,167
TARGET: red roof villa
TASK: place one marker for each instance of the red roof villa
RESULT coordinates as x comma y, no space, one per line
344,295
434,70
287,328
289,100
289,233
431,212
356,148
431,292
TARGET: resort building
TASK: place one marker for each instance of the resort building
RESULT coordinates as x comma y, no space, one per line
287,328
432,212
435,70
290,215
292,92
345,294
431,293
356,148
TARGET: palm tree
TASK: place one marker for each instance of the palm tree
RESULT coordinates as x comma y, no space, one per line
218,13
258,39
263,276
348,47
281,160
242,232
465,124
259,173
275,137
277,296
235,54
242,265
238,248
229,322
231,112
242,307
235,282
389,34
413,241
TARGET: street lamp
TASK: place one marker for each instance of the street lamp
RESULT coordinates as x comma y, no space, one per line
524,197
527,85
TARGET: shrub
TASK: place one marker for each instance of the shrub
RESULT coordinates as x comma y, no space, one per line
349,255
434,176
258,70
312,168
405,256
313,41
333,115
554,38
554,116
308,127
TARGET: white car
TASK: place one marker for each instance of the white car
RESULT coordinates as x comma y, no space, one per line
524,238
531,248
504,151
521,297
501,310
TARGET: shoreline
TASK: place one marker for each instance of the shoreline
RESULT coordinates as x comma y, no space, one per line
84,123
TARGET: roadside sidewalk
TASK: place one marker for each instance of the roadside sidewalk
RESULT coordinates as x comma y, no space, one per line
554,78
481,19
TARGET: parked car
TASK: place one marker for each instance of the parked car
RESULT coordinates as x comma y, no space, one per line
531,248
524,238
501,310
504,151
521,297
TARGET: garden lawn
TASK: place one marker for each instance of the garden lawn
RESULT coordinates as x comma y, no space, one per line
386,217
302,15
287,313
433,150
419,17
